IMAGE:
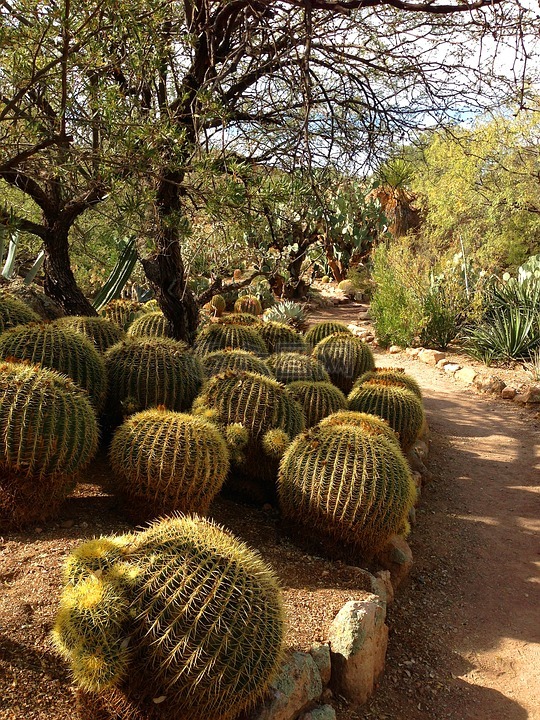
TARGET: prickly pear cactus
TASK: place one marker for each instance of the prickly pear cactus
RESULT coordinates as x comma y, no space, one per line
280,338
14,312
290,367
318,399
355,488
61,349
345,358
248,304
401,408
318,332
166,462
390,376
101,332
223,360
182,621
217,336
122,312
150,324
48,433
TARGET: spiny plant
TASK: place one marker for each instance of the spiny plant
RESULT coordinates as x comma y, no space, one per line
345,358
238,319
147,372
48,433
318,399
282,338
122,312
248,304
222,360
347,287
318,332
218,305
401,408
166,461
353,487
150,324
101,332
289,367
287,312
62,349
234,337
370,424
393,376
14,312
183,620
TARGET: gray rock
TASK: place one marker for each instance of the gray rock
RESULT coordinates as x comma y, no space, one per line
382,586
323,712
396,556
321,654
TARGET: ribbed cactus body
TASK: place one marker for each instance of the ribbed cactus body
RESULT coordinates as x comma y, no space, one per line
204,622
248,304
61,349
166,461
318,332
280,338
122,312
401,408
14,312
354,488
101,332
223,360
369,424
147,372
390,376
150,324
345,358
291,367
318,399
217,336
48,433
218,305
239,319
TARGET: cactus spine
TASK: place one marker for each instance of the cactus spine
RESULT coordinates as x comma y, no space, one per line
239,319
369,424
234,337
282,338
318,399
391,376
13,312
345,357
291,367
150,324
321,330
223,360
101,332
248,304
122,312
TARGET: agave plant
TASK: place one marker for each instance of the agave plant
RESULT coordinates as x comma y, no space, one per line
508,335
288,312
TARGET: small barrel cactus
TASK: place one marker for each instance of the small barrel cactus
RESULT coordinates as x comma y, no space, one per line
321,330
234,337
14,312
290,367
147,372
325,279
248,304
150,324
222,360
391,376
62,349
218,305
345,358
281,338
183,621
401,408
352,487
238,319
48,433
347,287
318,399
122,312
101,332
370,424
167,461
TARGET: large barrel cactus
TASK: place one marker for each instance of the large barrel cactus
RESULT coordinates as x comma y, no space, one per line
150,324
167,461
101,332
401,408
182,621
281,338
122,312
290,367
345,358
391,376
222,360
248,304
14,312
238,319
318,332
61,349
352,487
48,433
220,336
318,399
369,424
147,372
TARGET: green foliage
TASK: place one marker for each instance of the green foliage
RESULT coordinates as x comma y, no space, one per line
101,332
181,591
248,304
49,433
222,336
353,487
286,312
61,349
289,367
222,360
150,324
281,338
13,312
166,462
345,358
318,332
318,399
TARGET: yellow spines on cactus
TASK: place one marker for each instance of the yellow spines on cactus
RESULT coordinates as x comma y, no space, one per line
345,358
318,399
370,424
354,488
218,305
390,376
122,312
248,304
239,319
275,442
150,324
101,332
223,360
166,461
218,336
14,312
280,338
318,332
289,367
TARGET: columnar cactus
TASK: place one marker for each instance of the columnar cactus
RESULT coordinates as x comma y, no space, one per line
354,488
323,329
318,399
345,358
187,622
122,312
401,408
392,376
48,433
290,367
248,304
282,338
101,332
222,360
150,324
235,337
167,461
147,372
62,349
14,312
369,424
